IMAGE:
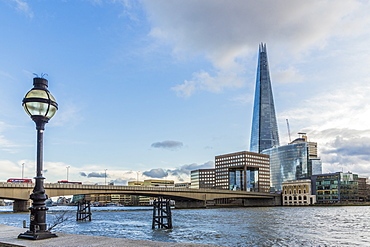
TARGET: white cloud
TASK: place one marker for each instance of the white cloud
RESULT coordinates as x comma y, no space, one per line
339,121
343,107
9,169
204,81
23,7
6,144
288,75
224,32
5,74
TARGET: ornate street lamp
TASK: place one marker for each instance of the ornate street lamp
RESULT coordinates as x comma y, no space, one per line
41,106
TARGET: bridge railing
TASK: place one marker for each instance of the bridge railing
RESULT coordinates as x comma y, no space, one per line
20,185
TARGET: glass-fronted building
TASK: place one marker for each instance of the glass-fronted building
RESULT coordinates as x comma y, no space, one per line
315,165
336,187
264,133
297,160
244,171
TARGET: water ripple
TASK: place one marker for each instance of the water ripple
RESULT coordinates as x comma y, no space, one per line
259,226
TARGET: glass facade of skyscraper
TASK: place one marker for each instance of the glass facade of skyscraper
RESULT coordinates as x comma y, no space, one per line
287,162
291,162
264,125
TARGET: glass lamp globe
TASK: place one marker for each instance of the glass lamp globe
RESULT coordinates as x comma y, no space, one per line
39,102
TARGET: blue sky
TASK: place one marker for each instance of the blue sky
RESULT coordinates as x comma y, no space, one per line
154,89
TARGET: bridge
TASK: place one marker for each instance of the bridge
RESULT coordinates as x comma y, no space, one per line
184,197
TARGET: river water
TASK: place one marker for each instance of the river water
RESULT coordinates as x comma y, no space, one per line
255,226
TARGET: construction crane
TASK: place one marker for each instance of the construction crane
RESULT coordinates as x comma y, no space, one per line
287,123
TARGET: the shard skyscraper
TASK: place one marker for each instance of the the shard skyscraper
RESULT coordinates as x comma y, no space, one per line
264,126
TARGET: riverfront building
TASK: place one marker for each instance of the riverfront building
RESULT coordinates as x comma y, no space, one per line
297,192
362,190
244,171
158,182
129,200
297,160
202,178
145,200
264,133
336,187
182,185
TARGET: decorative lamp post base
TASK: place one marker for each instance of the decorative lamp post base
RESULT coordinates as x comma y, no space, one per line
37,235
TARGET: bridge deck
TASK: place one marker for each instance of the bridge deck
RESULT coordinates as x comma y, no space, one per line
21,191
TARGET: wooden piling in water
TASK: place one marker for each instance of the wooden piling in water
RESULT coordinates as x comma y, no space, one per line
83,211
162,217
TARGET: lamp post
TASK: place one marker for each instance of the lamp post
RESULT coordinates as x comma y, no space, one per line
105,177
40,105
22,170
67,172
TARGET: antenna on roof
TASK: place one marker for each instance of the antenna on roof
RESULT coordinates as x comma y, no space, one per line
287,123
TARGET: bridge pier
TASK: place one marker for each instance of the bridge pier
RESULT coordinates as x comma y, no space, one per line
276,201
21,205
190,204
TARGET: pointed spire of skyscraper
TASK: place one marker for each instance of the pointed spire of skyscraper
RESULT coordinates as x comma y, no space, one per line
264,125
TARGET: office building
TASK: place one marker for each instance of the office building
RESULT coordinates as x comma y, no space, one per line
297,192
145,200
338,187
244,171
297,160
184,185
158,182
202,179
362,190
264,133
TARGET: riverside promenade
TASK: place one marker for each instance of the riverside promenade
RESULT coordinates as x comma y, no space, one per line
9,234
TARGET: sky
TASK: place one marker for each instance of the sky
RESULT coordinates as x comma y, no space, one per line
154,89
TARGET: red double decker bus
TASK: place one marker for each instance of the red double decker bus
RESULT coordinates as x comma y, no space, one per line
19,180
68,182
